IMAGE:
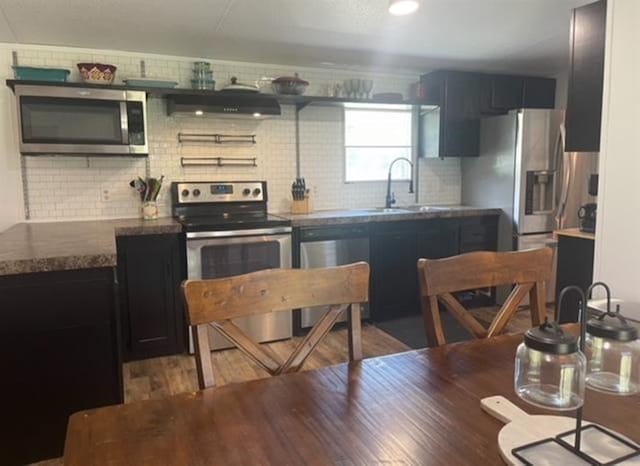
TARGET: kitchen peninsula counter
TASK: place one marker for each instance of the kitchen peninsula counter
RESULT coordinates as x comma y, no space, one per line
56,246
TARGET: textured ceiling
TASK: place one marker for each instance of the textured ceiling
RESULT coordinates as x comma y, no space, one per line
501,35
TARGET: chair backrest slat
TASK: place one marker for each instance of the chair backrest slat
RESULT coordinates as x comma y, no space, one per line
275,290
485,269
528,270
213,303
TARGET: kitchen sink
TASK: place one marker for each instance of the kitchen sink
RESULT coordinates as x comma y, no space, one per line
428,208
390,210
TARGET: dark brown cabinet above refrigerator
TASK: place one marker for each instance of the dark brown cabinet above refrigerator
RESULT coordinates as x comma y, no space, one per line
449,122
586,75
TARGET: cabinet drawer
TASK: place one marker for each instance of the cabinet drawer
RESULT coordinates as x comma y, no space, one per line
479,234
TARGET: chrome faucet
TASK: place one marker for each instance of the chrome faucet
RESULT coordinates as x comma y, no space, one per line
391,199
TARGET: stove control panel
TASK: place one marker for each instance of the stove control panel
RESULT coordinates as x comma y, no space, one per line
205,191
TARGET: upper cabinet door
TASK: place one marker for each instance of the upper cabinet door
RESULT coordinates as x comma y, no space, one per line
506,92
460,116
584,101
539,93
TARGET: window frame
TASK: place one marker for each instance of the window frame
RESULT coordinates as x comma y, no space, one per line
399,108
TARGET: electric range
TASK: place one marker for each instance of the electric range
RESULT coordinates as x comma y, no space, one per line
229,232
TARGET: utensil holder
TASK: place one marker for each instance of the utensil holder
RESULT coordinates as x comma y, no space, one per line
301,206
149,210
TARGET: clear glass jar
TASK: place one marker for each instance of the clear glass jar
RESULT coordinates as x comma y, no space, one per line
614,365
549,369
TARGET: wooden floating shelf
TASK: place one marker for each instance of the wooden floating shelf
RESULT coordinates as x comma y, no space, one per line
300,101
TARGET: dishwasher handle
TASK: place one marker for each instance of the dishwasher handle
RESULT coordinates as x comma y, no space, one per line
333,233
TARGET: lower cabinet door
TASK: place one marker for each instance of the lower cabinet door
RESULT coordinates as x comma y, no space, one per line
439,238
151,268
60,355
395,282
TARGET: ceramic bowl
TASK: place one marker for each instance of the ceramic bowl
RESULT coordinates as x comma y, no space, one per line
97,73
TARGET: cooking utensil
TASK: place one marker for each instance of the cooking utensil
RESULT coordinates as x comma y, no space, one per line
97,73
291,85
149,189
240,87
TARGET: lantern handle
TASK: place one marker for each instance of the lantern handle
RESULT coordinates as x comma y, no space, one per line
607,289
581,301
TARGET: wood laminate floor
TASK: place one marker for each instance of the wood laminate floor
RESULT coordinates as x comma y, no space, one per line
165,376
161,377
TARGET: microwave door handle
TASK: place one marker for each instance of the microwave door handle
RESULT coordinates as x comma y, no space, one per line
124,123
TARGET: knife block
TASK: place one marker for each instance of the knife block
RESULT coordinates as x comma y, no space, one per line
302,206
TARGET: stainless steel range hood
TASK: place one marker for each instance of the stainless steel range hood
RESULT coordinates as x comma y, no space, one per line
248,105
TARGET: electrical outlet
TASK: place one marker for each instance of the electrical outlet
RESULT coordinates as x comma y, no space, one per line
105,195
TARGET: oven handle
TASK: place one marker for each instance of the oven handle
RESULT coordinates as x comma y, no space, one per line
237,233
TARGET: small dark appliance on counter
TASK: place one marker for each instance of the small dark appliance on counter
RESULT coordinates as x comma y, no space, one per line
587,213
587,216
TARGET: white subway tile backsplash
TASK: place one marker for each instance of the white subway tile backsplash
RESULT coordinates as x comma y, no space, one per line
71,187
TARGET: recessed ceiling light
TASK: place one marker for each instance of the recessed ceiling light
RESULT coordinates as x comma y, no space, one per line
257,114
403,7
199,112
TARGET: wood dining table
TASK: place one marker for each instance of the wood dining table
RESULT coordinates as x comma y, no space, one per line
419,407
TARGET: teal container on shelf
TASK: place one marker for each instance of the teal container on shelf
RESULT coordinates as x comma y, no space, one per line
31,73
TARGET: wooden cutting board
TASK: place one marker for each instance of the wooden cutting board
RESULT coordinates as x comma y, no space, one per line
522,428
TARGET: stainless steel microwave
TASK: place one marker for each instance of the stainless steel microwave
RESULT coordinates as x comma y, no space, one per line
81,121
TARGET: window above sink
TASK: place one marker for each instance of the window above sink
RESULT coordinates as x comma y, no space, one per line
373,138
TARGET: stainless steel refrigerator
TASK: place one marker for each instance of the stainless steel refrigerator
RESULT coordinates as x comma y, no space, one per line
523,169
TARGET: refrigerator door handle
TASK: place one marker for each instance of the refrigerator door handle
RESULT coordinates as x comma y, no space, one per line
563,171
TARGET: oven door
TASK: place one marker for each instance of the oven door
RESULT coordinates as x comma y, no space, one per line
225,254
69,120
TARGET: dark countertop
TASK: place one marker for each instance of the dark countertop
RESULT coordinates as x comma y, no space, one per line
338,217
45,247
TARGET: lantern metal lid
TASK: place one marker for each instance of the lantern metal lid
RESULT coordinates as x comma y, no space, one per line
550,338
612,326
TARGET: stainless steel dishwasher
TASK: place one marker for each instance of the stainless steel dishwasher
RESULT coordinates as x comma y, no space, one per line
329,247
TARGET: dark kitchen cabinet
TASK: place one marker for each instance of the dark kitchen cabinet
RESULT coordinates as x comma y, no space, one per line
453,128
449,122
394,253
479,234
59,342
439,238
397,246
151,269
538,92
501,93
575,267
586,74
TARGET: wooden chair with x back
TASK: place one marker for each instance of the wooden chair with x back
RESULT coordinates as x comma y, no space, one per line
216,302
527,270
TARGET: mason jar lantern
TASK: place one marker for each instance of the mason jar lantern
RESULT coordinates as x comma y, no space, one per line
613,352
550,369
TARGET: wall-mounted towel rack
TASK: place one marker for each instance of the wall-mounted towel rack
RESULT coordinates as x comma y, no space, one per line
194,160
217,138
